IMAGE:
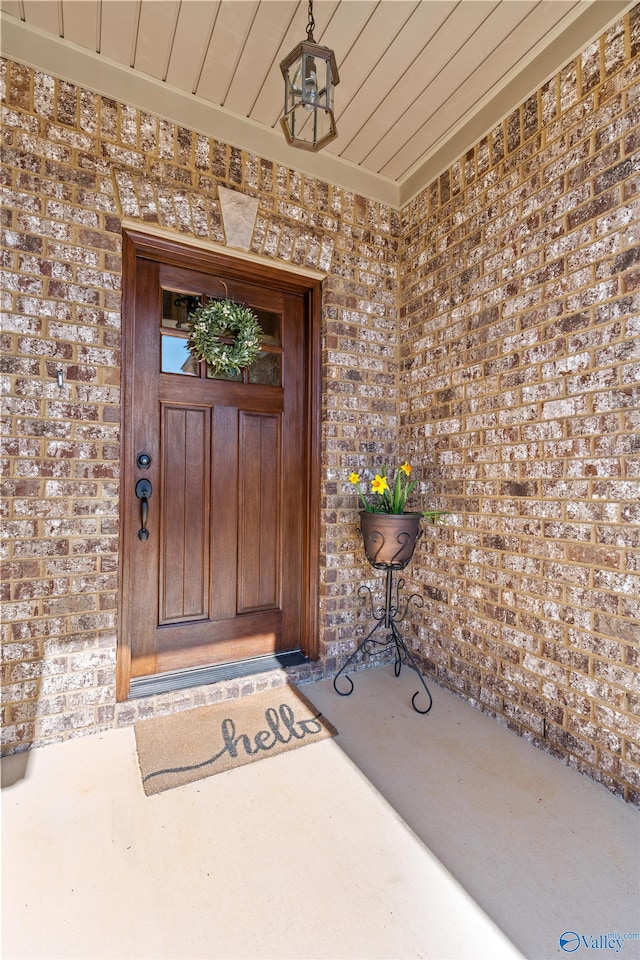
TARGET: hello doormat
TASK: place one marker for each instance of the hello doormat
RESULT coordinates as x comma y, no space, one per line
188,746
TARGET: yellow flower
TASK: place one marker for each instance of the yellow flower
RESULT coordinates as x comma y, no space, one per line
354,478
379,484
406,468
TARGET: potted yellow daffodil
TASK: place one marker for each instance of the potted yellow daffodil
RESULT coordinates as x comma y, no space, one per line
390,532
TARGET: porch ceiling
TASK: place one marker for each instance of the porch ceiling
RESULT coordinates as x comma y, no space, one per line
420,80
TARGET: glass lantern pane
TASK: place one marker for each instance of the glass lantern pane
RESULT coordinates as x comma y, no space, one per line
310,126
288,90
310,85
177,358
327,93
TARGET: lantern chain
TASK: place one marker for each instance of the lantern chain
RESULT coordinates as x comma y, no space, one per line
311,24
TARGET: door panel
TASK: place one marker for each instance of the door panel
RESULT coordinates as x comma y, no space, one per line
260,497
184,505
222,575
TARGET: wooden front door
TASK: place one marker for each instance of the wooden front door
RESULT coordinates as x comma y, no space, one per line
216,532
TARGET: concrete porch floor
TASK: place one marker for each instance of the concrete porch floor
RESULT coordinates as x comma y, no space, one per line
438,836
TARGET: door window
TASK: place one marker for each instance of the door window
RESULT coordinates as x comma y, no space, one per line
176,357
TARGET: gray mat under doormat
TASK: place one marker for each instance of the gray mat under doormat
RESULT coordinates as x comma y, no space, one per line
183,747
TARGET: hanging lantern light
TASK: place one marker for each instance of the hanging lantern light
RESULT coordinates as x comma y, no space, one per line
310,74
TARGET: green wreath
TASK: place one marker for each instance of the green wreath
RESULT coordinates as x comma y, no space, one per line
224,318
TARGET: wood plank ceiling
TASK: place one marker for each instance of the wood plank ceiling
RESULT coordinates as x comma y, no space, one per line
418,78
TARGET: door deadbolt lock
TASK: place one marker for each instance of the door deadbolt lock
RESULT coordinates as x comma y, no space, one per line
143,461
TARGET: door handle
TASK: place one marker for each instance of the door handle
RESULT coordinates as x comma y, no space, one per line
143,492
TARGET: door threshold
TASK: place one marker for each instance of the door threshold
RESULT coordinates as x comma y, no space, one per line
201,676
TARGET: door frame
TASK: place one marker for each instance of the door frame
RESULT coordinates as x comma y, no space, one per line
137,245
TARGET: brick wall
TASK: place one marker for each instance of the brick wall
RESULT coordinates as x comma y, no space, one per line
520,396
75,164
514,397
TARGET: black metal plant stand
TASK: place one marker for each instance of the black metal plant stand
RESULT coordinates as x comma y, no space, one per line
389,617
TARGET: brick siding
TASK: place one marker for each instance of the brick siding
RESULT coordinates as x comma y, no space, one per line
520,396
74,165
488,332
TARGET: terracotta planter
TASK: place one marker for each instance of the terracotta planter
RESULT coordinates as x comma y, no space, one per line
389,538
